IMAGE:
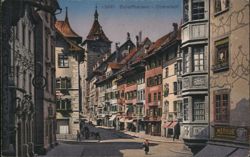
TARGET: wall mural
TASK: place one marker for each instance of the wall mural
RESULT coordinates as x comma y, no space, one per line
239,66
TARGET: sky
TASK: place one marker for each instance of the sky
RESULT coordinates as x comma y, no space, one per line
117,17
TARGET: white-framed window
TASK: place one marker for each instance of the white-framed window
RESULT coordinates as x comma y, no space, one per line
198,58
198,9
199,108
185,109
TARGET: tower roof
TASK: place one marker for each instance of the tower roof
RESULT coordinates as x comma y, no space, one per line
65,28
96,31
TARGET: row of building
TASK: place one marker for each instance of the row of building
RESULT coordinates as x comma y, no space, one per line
28,95
197,75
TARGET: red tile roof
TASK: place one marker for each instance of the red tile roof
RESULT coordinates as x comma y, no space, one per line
96,32
65,28
115,66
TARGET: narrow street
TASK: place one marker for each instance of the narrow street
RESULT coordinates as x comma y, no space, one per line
116,144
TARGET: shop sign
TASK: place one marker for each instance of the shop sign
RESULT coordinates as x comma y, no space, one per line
232,133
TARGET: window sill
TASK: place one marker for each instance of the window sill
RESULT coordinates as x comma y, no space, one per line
63,67
220,67
220,12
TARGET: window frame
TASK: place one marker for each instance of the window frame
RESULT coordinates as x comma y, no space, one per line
199,13
199,51
61,61
200,108
221,93
217,12
219,45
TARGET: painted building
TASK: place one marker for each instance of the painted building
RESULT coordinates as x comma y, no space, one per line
172,104
194,48
229,79
68,57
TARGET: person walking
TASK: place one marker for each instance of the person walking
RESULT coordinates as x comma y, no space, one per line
146,146
78,136
176,131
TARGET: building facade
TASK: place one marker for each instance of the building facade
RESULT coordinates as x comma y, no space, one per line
172,104
68,57
20,77
229,79
194,48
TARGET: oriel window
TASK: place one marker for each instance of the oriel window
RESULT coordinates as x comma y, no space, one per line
198,58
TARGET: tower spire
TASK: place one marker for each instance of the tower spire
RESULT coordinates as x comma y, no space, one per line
66,15
96,13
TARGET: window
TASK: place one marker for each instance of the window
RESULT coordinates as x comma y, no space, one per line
63,61
185,109
175,88
221,55
149,97
52,55
17,31
29,47
63,104
198,58
46,46
155,96
198,9
159,96
63,83
199,108
221,5
185,11
185,61
166,72
24,80
17,75
47,80
52,85
222,107
175,69
24,33
30,83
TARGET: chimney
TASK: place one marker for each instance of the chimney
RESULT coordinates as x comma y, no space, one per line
140,37
116,51
137,41
128,36
175,25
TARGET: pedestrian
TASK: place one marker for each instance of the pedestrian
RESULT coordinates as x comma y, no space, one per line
78,136
176,131
146,146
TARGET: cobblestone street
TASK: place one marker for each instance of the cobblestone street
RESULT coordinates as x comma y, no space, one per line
118,144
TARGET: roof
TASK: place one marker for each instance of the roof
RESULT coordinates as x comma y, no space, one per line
96,31
164,41
65,28
73,46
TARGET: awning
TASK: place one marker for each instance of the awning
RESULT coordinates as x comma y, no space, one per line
112,117
172,125
129,121
215,151
122,120
166,125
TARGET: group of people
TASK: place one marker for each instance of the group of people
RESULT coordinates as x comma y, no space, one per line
86,133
